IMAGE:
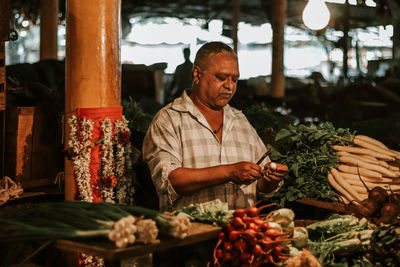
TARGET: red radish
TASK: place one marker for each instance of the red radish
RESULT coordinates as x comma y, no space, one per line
258,251
234,235
245,256
277,251
240,244
227,245
221,235
238,222
229,227
254,211
227,256
271,259
273,233
239,213
253,226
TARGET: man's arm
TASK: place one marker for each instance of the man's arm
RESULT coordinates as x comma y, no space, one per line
187,180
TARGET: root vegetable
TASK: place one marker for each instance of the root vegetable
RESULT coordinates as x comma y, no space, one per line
363,151
389,213
345,185
374,147
351,176
368,207
377,194
368,160
369,166
371,140
363,171
338,187
254,211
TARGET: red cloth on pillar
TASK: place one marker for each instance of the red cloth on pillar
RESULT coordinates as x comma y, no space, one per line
97,115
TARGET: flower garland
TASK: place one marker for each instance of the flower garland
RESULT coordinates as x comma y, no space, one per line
125,189
79,151
107,178
115,172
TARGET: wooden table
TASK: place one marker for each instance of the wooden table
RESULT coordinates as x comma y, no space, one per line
105,249
332,206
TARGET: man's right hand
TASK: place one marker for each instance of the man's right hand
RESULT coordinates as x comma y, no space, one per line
244,172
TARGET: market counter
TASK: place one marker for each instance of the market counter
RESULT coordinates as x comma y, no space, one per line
198,232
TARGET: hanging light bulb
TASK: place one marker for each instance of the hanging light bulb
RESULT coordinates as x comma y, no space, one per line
316,15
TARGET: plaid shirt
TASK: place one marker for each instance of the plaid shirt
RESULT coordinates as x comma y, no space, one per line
180,136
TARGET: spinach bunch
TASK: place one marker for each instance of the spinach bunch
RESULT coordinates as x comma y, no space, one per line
307,151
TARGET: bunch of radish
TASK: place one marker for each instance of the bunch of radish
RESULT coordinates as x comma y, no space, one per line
368,159
252,239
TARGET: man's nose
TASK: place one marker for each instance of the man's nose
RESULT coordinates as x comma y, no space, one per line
229,84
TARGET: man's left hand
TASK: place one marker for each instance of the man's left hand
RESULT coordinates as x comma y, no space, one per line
275,172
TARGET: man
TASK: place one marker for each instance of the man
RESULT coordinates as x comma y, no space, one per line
182,79
199,149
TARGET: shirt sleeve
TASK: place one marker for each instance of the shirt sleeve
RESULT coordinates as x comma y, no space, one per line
162,152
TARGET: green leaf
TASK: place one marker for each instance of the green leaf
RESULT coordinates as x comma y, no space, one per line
282,134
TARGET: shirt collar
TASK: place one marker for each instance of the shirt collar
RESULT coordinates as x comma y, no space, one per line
185,104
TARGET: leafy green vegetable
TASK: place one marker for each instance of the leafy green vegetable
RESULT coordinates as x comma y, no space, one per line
139,121
338,235
212,212
307,151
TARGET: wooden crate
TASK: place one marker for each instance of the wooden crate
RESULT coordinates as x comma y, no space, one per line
32,158
19,138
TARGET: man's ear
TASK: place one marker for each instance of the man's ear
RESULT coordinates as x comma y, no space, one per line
196,72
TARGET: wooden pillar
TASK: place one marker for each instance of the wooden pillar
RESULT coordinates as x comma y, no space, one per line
48,29
346,39
235,22
5,17
278,15
396,40
93,63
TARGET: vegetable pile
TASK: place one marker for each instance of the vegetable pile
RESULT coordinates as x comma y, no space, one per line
213,212
123,225
337,236
345,240
331,164
307,151
252,239
365,160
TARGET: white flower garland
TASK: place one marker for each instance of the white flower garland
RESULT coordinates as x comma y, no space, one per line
125,189
107,163
115,166
81,158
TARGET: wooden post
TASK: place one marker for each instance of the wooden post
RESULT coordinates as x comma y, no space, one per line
235,22
5,17
278,14
48,29
346,39
396,40
93,63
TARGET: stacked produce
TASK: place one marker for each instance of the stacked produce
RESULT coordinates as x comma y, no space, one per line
253,240
366,160
307,151
324,161
123,225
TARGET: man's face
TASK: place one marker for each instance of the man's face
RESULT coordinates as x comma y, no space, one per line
216,82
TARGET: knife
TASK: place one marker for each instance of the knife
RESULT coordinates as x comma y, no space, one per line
264,156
